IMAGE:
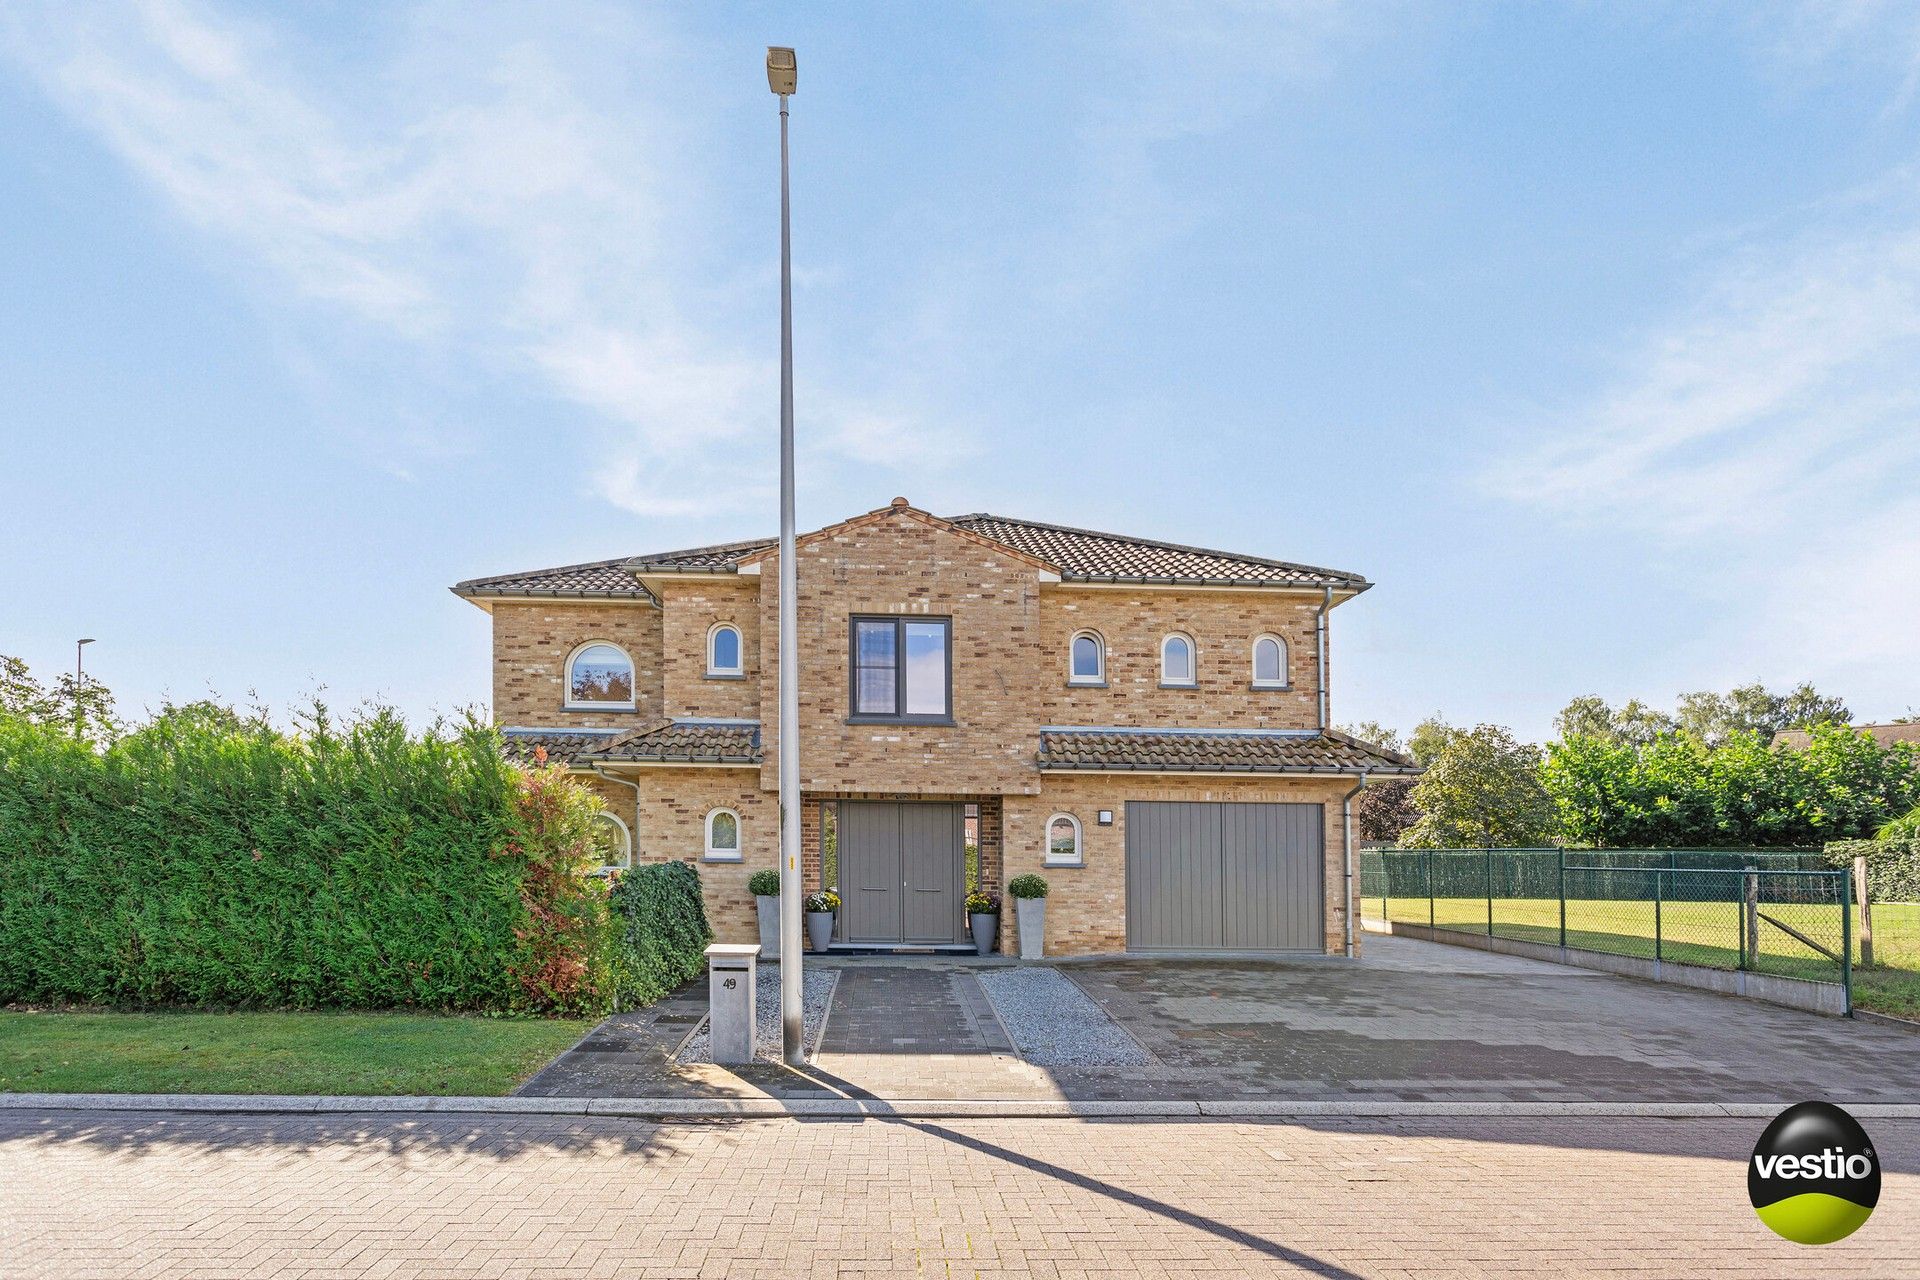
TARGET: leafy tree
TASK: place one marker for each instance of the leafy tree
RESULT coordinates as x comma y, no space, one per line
84,707
1592,717
1429,739
1483,789
1383,810
1375,732
1716,717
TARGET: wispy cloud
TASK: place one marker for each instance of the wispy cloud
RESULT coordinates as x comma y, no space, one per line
501,194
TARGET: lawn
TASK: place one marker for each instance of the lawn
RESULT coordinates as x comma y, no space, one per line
339,1053
1703,933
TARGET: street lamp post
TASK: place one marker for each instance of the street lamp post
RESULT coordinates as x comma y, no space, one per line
79,681
781,78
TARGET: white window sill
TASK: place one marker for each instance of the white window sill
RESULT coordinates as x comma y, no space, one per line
597,706
719,857
1064,866
1273,685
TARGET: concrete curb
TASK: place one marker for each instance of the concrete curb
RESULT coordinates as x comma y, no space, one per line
903,1108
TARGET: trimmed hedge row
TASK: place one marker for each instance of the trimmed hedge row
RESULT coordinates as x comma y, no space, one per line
664,932
203,860
1893,866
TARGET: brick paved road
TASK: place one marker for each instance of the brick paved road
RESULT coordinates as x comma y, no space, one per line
119,1195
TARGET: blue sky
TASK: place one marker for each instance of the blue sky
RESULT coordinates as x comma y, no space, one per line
1590,333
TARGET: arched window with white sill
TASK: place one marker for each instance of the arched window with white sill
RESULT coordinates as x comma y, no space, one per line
600,677
1269,662
1178,664
725,654
1087,658
723,836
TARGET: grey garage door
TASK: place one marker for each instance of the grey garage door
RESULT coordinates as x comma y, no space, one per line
1224,877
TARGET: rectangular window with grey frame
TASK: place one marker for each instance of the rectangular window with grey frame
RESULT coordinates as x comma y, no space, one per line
901,669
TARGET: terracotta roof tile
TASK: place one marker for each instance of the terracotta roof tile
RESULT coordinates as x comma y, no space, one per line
598,578
694,742
1215,751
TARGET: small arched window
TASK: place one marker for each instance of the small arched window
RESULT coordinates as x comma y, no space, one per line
1269,662
1063,841
600,675
723,836
1176,660
1087,659
723,650
613,844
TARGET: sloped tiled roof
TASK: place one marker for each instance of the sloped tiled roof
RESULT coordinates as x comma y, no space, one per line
560,744
688,741
597,578
1215,751
1081,555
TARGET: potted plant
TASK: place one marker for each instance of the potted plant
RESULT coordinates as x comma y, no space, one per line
983,915
765,888
820,909
1030,911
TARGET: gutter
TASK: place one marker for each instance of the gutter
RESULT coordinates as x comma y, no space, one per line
597,771
1346,838
1320,641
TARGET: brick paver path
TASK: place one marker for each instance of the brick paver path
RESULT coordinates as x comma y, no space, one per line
120,1195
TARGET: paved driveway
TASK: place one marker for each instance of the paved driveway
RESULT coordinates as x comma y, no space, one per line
1412,1021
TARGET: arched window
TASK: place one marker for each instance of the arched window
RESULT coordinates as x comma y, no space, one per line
1269,662
1087,658
600,675
614,844
723,650
723,836
1063,841
1176,660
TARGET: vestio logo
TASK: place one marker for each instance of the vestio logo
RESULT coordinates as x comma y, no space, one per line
1814,1177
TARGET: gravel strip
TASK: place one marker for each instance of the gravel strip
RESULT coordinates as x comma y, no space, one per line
816,989
1053,1023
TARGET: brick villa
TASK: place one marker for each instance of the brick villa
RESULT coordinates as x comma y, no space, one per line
1145,724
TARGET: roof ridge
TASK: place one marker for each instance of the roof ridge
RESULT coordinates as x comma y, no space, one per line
617,562
1162,545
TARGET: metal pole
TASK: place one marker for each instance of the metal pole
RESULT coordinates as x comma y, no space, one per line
1431,914
1846,938
79,681
1489,893
792,1007
1658,947
1563,898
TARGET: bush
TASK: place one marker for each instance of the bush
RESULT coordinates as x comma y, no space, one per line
207,860
764,884
1893,866
663,927
1027,886
982,904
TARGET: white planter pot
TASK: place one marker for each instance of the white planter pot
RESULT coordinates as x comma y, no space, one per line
820,929
1032,915
768,907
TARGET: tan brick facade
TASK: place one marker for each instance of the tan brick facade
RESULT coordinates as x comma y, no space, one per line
1012,623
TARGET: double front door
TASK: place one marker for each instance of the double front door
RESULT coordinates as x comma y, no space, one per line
902,873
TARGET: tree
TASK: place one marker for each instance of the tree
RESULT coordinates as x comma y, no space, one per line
1482,790
1383,810
1749,708
83,706
1374,732
1592,717
1429,738
20,694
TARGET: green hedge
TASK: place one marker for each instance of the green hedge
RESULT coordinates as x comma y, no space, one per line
206,860
1893,866
663,923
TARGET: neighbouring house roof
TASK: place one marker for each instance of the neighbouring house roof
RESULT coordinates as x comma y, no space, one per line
1215,751
1884,734
667,742
1079,555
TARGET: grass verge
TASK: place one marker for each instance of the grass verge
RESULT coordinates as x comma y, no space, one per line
301,1053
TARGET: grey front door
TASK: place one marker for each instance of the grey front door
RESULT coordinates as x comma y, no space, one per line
1224,877
901,872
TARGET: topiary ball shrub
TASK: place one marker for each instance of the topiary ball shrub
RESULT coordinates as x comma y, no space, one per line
764,884
1027,886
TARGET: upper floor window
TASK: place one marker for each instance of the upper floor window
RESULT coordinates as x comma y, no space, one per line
901,669
1088,659
723,836
599,675
723,650
613,844
1176,660
1269,662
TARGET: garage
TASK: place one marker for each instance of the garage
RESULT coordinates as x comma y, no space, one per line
1220,876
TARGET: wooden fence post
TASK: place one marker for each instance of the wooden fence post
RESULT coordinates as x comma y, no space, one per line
1750,944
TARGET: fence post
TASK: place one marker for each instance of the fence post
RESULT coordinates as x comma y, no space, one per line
1659,946
1750,918
1386,889
1430,914
1489,893
1846,939
1563,897
1861,896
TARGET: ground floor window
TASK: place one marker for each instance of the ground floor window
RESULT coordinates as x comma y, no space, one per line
723,835
1063,840
613,844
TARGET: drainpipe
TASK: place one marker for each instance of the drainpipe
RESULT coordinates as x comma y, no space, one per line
628,783
1320,640
1346,838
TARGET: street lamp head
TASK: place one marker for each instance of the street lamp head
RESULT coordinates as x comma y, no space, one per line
88,640
781,70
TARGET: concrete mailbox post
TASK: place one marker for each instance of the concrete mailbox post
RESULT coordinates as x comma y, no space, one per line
732,968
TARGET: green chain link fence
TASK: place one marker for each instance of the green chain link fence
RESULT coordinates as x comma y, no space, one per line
1788,914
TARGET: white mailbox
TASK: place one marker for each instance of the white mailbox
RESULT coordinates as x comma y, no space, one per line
732,968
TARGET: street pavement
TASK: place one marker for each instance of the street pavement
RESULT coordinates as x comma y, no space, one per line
119,1194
